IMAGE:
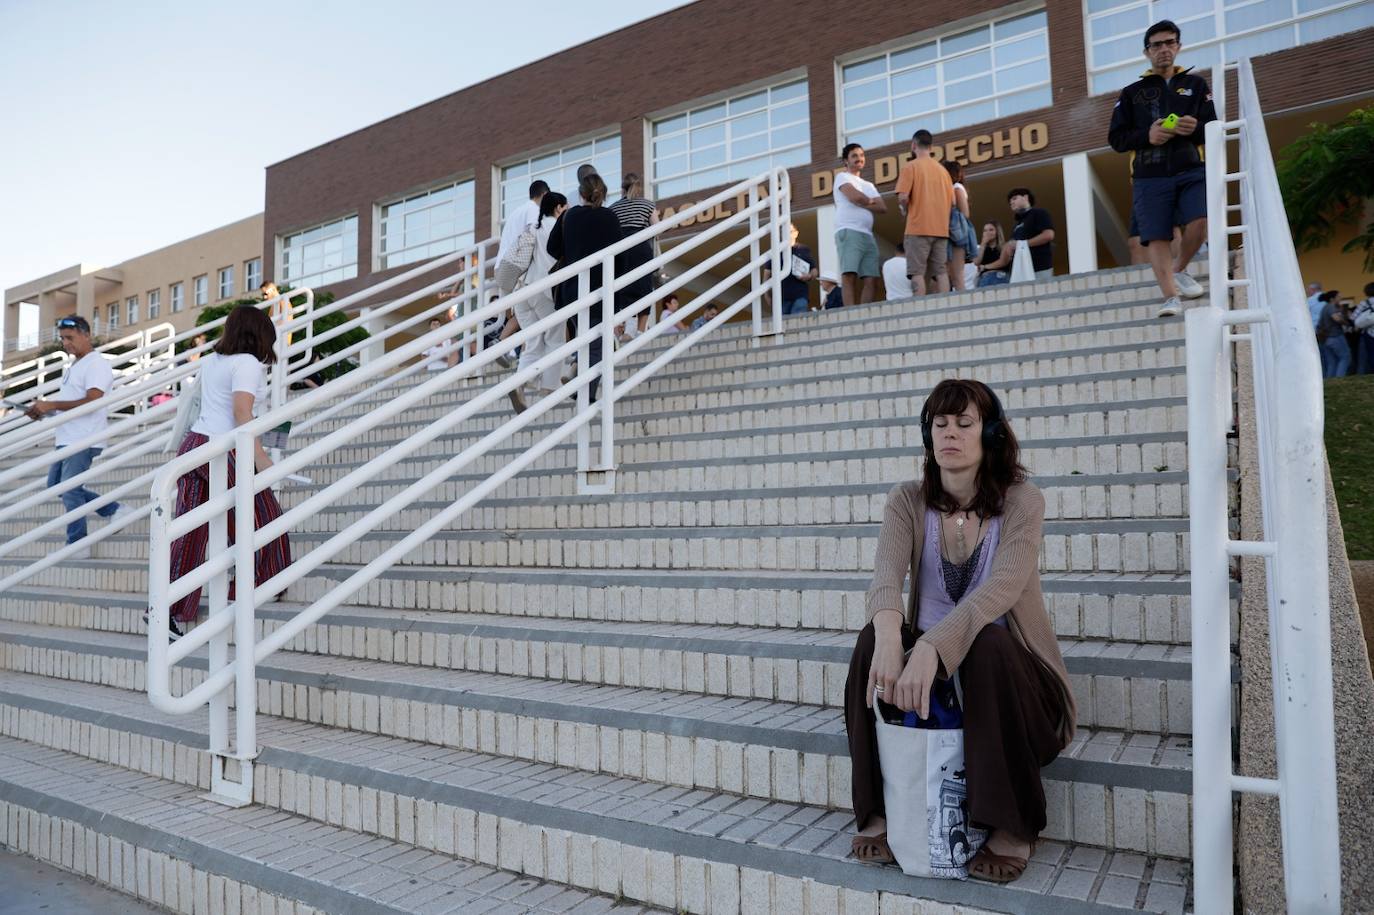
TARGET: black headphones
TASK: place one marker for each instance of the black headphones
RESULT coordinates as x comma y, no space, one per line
994,427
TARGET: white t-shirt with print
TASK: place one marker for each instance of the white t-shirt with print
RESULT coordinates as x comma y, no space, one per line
90,371
220,378
850,215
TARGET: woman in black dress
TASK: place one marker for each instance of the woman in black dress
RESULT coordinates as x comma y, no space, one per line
581,232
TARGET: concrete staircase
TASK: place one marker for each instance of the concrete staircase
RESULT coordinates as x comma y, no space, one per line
575,703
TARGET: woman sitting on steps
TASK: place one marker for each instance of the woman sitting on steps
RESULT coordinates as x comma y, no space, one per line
969,533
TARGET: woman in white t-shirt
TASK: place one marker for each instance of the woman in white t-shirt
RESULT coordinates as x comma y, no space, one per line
959,252
233,384
441,355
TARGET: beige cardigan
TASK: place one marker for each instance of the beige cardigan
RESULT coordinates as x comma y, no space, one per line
1012,586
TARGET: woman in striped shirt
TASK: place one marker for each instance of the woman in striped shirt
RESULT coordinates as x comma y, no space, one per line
636,213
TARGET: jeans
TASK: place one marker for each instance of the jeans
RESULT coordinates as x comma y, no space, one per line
993,278
76,497
795,306
1336,356
1366,354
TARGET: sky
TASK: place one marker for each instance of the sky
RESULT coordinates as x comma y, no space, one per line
130,126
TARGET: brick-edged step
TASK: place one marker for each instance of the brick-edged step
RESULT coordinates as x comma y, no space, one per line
1157,544
1120,684
790,750
553,821
164,842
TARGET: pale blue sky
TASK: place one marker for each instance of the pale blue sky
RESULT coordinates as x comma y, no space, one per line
129,126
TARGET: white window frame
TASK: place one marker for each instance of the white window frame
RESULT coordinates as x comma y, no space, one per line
381,260
225,290
112,316
1202,54
347,269
794,154
252,274
131,310
934,120
200,290
177,294
563,147
154,303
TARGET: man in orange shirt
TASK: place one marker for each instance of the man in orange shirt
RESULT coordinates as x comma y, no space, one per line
925,194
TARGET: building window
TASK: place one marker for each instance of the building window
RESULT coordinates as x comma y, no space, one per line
997,69
321,255
131,303
178,297
429,224
226,282
1212,28
559,169
154,303
732,139
200,290
252,274
113,311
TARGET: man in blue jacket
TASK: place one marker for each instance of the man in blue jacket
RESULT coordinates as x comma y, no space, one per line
1168,181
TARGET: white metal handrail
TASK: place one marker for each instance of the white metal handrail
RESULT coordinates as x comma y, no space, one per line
1292,474
159,368
761,229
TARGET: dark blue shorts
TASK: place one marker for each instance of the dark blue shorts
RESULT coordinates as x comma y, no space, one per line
1159,204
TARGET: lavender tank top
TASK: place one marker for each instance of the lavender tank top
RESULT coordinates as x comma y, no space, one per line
933,601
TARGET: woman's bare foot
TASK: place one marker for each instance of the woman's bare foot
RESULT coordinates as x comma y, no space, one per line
1001,842
876,827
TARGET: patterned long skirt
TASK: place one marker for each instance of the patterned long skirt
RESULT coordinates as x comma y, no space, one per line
188,551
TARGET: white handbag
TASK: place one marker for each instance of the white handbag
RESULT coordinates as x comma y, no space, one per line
926,797
1022,270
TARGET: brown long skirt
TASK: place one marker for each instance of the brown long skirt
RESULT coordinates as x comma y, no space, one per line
1012,706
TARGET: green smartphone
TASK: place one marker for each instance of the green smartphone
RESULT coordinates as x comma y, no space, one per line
1170,122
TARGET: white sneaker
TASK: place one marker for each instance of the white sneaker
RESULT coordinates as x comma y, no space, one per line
123,511
1172,306
1188,287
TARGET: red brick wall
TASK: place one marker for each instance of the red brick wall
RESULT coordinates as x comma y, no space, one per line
710,46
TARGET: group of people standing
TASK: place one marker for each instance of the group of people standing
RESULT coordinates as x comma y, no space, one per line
940,249
1345,331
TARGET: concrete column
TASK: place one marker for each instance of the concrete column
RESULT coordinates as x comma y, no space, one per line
826,252
1080,213
373,327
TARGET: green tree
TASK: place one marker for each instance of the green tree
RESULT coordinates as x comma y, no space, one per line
1327,177
320,325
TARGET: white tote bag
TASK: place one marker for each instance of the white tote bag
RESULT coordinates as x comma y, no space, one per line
926,798
1022,270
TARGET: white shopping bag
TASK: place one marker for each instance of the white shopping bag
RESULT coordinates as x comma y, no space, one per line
926,798
1022,270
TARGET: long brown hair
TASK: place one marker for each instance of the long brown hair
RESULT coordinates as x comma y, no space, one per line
1001,467
249,330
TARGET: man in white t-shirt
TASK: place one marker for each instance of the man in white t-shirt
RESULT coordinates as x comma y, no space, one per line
524,217
856,200
895,280
87,379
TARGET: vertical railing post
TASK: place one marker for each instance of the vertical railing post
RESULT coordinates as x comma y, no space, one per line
1218,240
607,402
1211,615
584,440
755,268
240,792
219,600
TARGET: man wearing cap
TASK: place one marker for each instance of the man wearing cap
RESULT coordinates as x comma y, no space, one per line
87,379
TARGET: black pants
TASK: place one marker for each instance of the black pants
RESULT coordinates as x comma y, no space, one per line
1012,707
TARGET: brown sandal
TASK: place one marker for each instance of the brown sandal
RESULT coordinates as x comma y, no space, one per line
994,868
872,849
